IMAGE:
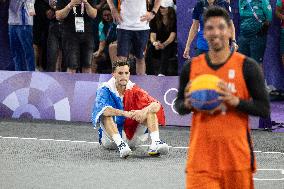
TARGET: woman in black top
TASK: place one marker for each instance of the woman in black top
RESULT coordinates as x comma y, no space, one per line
163,35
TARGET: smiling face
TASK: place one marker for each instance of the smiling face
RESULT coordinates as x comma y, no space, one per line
121,75
217,32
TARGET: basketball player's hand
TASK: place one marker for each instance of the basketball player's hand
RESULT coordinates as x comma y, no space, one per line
139,115
226,95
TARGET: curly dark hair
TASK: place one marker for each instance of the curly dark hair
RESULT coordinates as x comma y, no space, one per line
119,63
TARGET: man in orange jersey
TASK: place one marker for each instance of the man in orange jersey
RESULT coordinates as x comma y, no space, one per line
220,150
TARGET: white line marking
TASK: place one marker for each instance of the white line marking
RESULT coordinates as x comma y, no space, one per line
267,179
46,139
272,152
62,140
75,141
270,169
11,137
93,142
29,138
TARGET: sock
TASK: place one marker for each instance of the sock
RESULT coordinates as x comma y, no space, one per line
117,139
155,136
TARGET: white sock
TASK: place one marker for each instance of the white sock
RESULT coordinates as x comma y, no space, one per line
117,139
155,136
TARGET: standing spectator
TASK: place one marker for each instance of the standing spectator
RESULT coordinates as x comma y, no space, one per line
133,29
163,35
21,34
54,41
197,26
280,14
107,35
40,32
77,38
255,17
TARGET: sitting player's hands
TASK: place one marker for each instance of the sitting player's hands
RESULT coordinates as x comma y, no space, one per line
139,115
128,114
226,95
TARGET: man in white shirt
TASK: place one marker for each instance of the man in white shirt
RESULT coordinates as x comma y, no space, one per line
133,29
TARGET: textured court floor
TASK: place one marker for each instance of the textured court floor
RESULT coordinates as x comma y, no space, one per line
67,155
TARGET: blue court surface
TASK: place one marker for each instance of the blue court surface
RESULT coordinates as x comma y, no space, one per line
36,154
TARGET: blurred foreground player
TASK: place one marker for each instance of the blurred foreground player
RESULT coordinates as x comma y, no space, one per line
220,150
125,113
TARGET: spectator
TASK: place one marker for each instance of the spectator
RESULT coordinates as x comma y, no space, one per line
21,35
107,35
40,32
280,14
133,29
163,35
197,26
255,17
77,38
54,41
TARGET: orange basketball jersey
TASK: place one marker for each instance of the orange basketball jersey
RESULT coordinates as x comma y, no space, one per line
217,141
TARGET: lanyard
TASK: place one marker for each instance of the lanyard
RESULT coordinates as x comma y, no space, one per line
254,13
82,9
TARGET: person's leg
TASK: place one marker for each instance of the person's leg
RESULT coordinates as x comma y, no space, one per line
52,48
86,52
139,46
124,38
26,38
113,51
257,48
164,62
237,179
71,51
110,127
16,49
157,146
244,46
282,46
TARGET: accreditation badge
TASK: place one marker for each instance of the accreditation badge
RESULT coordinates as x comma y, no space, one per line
79,24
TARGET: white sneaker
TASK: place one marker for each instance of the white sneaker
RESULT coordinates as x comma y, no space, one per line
124,150
158,148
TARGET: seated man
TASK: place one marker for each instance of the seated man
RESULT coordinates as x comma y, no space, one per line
125,114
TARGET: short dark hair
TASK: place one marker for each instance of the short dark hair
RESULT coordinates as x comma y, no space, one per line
216,11
119,63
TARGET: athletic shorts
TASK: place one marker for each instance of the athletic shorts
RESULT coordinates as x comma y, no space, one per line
140,136
221,180
134,41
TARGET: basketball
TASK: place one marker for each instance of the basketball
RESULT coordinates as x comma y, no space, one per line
204,92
